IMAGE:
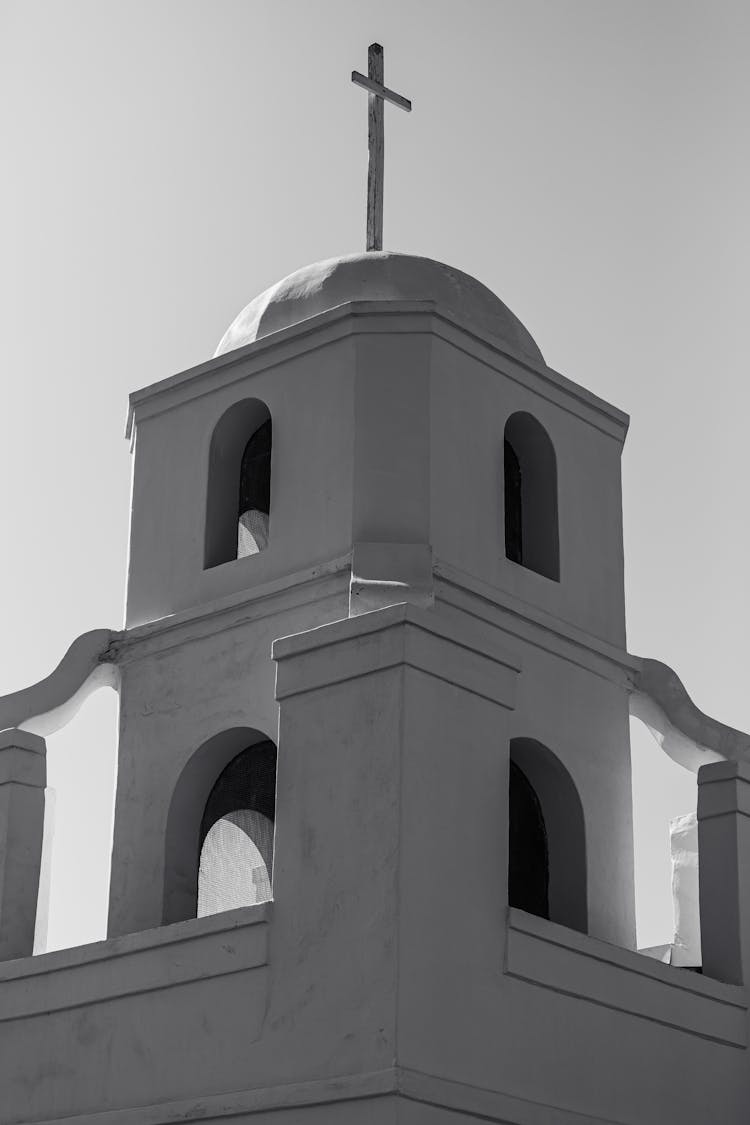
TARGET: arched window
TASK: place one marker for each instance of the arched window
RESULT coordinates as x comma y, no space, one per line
546,837
238,501
219,836
236,835
530,477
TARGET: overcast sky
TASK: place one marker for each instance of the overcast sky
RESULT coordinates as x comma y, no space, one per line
165,160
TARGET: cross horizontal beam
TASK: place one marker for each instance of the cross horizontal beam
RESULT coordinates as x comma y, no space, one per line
381,91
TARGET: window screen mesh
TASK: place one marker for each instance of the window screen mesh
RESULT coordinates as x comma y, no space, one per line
252,533
235,862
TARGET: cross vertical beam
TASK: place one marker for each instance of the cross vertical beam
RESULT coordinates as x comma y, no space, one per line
376,150
378,94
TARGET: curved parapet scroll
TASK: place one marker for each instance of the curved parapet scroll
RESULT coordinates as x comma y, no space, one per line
685,733
49,704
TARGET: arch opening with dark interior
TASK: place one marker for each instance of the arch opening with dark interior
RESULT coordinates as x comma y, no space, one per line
546,837
238,501
236,833
220,826
528,862
530,495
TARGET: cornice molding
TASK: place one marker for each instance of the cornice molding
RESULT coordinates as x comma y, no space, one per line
289,591
501,610
396,636
474,1102
360,318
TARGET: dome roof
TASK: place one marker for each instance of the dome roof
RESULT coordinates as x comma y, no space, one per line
378,276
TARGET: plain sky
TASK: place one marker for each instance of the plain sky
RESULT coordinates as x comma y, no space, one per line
166,160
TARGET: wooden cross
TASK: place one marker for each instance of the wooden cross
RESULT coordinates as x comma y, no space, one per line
378,95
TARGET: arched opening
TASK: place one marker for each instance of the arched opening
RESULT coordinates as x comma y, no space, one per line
546,837
236,858
238,502
219,839
530,487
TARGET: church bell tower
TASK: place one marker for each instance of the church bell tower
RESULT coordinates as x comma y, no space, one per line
372,855
373,849
424,641
425,481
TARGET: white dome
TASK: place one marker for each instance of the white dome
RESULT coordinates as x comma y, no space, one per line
378,276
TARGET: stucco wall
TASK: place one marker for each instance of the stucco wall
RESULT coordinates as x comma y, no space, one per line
178,690
310,398
472,396
583,719
387,427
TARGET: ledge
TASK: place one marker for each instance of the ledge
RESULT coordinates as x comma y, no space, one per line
498,608
723,790
353,1090
554,957
277,595
355,317
399,634
155,959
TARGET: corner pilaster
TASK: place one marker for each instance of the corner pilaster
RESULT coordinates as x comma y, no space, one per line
724,870
391,830
23,776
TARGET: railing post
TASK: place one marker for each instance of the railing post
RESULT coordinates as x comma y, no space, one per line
23,776
724,870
